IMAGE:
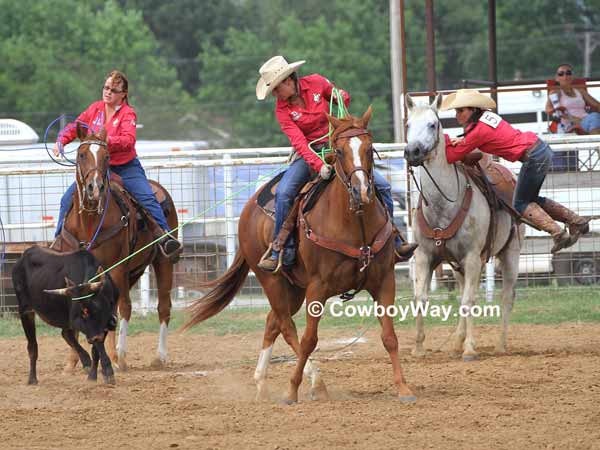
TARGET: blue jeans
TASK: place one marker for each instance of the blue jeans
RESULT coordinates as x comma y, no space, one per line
531,177
590,122
135,181
296,176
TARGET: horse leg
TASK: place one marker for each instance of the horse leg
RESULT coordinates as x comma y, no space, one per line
385,297
509,260
472,267
118,352
260,374
163,270
461,328
307,346
423,274
125,313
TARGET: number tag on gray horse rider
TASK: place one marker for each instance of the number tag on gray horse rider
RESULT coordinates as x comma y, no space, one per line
491,119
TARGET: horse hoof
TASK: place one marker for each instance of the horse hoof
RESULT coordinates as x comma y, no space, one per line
110,380
158,363
288,402
419,353
319,395
121,366
469,358
408,399
32,382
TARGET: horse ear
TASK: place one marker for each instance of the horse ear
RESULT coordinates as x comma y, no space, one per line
81,131
437,102
335,123
367,116
410,103
102,134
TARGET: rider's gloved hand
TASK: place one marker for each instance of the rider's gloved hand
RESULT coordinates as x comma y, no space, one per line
56,150
325,171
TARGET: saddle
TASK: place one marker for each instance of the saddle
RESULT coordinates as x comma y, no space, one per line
121,196
497,183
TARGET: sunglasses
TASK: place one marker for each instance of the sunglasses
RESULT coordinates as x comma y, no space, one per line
565,72
114,91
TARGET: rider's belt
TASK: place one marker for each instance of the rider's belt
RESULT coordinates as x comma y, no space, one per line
527,153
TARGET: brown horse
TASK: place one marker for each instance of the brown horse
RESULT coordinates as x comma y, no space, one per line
102,208
348,229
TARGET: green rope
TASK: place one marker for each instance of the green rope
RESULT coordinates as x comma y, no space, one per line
340,114
85,296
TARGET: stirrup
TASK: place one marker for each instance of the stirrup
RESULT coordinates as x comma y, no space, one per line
175,253
267,256
405,257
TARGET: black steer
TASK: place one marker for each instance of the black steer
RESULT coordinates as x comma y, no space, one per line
39,278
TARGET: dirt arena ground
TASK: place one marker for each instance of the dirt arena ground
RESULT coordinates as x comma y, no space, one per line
545,394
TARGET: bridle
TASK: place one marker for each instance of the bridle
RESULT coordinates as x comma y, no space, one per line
346,179
83,176
412,173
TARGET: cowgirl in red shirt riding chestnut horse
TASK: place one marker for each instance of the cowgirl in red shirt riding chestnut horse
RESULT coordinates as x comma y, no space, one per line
488,132
300,110
114,114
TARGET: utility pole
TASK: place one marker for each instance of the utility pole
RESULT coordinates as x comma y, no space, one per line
398,72
590,42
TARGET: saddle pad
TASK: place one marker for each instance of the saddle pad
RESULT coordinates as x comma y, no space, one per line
266,196
311,191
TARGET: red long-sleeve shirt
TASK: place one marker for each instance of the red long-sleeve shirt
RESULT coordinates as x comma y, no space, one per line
303,125
120,131
502,140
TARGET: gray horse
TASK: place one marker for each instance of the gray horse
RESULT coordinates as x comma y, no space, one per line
443,191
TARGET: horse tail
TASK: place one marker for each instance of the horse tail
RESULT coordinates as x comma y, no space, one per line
222,293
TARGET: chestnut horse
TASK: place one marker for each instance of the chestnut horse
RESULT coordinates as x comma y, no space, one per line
349,228
102,213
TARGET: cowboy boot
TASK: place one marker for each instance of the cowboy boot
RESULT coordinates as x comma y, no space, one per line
538,217
271,261
577,225
403,250
168,246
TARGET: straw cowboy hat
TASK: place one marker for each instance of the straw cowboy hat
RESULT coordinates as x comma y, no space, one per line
467,98
273,72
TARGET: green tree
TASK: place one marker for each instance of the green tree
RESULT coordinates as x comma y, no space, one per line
58,66
349,46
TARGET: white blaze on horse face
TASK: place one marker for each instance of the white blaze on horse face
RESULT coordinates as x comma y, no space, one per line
355,144
94,149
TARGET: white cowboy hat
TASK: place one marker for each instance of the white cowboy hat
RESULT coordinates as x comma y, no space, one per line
467,98
273,72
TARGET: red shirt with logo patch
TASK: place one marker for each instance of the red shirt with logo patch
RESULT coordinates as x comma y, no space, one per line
120,131
303,125
504,141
